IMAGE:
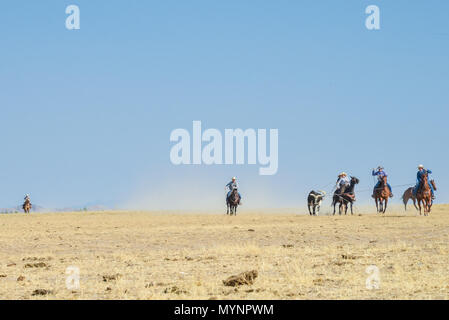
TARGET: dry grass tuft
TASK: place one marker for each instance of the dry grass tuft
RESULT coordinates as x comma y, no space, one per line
244,278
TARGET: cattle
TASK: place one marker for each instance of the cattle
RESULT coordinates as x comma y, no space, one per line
314,200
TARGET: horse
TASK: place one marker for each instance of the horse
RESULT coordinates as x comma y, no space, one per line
408,194
347,197
424,195
27,206
381,195
232,202
314,200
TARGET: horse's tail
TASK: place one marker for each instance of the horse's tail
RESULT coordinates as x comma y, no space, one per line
334,200
432,182
405,199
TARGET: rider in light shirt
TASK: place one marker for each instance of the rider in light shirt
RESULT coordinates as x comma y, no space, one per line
231,186
342,183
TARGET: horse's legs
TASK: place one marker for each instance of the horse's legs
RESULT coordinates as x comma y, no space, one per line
308,206
386,205
377,204
352,212
414,203
428,205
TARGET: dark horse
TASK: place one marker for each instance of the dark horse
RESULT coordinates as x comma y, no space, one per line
232,202
408,194
381,195
348,197
424,195
26,206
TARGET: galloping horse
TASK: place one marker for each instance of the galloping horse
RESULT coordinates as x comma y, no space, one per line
27,206
381,195
348,197
424,195
408,194
232,202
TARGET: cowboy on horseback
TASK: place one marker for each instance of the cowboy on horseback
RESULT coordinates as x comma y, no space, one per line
27,203
342,184
344,193
380,173
231,186
419,179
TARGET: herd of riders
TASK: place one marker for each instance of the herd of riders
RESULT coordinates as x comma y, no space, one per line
342,185
343,181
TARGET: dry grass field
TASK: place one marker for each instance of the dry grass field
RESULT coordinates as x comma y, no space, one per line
143,255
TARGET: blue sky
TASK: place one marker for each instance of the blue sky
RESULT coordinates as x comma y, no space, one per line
86,115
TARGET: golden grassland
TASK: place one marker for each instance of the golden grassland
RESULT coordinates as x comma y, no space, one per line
151,255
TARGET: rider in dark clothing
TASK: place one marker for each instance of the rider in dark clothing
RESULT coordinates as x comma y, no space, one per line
419,178
380,173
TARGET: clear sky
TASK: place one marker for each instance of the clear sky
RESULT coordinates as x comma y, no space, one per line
86,114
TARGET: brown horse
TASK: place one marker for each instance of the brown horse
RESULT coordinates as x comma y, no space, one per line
232,202
424,195
27,206
345,198
408,194
381,195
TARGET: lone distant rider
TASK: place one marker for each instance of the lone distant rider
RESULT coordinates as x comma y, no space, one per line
231,186
343,182
380,173
419,179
